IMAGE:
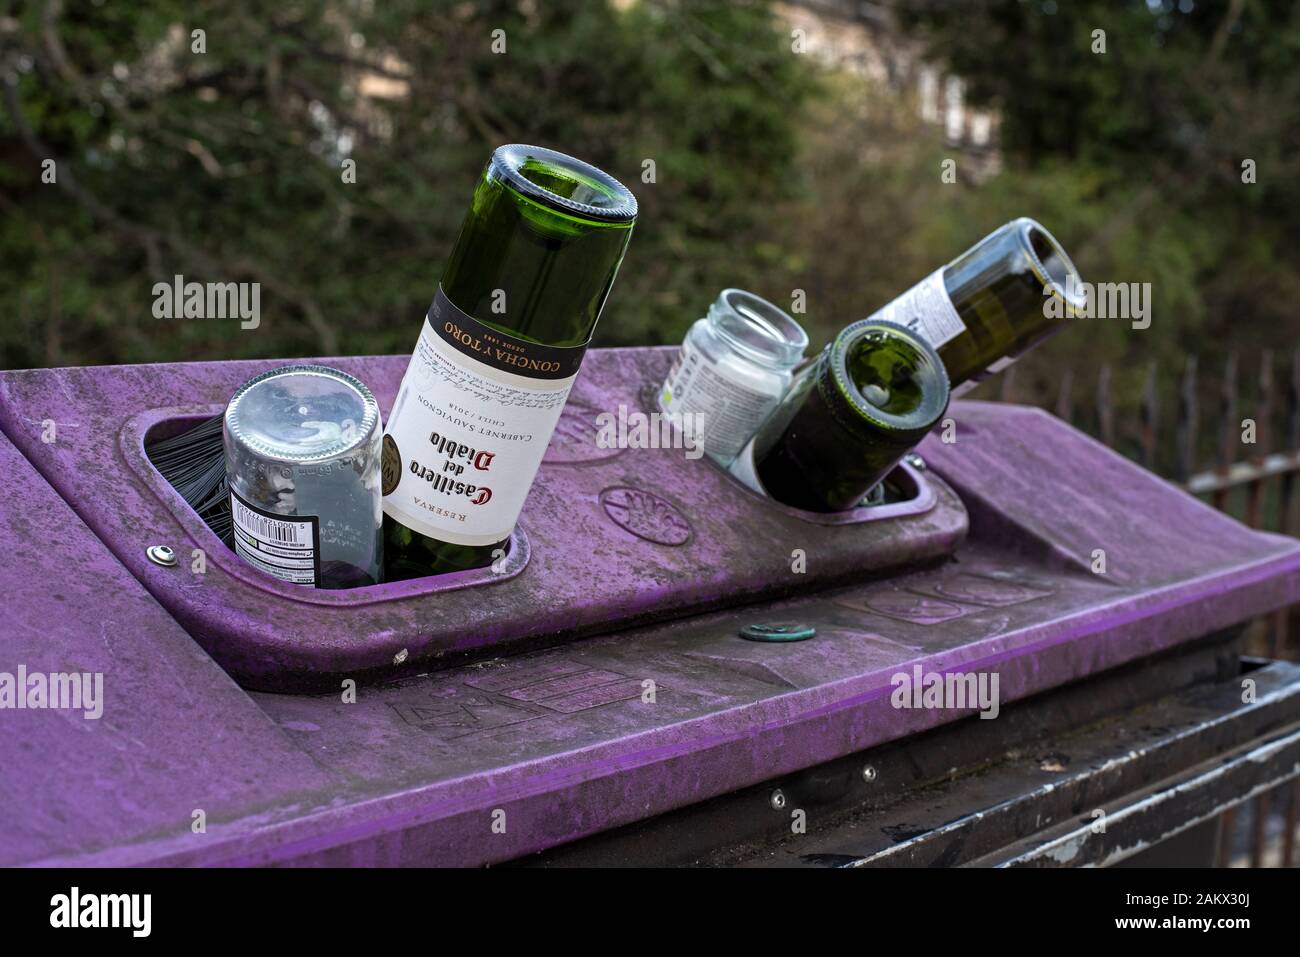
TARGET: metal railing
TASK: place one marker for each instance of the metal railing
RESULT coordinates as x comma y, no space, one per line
1251,475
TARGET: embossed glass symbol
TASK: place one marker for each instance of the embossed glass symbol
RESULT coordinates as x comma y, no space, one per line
979,590
646,515
905,606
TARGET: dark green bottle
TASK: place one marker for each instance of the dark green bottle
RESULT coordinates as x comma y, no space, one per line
501,345
850,416
993,303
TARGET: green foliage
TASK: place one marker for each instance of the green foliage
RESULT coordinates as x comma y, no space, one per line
771,171
226,165
1134,157
1160,125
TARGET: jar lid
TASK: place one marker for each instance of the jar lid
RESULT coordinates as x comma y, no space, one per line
301,413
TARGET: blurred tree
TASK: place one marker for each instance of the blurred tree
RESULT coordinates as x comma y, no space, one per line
755,166
1165,135
1173,89
213,140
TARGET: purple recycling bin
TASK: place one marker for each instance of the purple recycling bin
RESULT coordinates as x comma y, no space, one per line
597,680
611,537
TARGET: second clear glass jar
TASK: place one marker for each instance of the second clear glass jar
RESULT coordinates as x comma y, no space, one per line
735,365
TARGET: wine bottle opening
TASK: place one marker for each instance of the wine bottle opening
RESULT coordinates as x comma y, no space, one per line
848,418
563,183
884,376
1053,267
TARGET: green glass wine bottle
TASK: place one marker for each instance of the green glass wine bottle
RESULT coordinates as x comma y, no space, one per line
849,417
1006,294
501,345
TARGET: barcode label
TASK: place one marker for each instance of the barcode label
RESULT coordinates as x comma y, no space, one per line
287,547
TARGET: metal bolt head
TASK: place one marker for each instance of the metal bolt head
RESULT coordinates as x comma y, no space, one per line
777,800
869,773
915,461
161,555
778,631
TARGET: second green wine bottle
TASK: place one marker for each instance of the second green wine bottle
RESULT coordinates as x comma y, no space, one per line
993,303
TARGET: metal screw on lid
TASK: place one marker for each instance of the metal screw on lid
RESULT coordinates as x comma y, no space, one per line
161,555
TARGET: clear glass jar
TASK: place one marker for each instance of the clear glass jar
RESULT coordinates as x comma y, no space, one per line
303,454
735,366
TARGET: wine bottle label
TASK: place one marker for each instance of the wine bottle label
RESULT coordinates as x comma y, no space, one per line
732,411
926,310
467,433
287,547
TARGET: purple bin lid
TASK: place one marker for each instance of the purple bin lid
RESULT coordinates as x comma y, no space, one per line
168,710
607,537
487,761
